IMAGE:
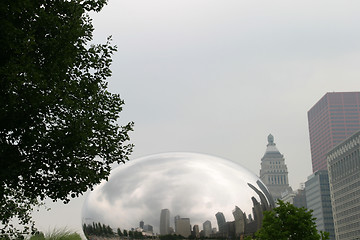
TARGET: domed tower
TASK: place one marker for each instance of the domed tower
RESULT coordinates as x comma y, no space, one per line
273,170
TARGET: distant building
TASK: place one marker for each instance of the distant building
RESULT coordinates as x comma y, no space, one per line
318,199
175,219
148,228
207,228
240,221
221,222
141,224
273,170
332,119
296,198
258,213
344,177
165,222
183,227
196,232
300,198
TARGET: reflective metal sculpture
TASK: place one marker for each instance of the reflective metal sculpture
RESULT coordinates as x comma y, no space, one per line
177,193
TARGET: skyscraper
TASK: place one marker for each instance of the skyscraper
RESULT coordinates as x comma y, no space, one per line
240,221
207,228
344,177
221,222
273,170
165,222
317,192
196,232
333,118
183,227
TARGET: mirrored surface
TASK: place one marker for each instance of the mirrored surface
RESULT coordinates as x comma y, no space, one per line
181,193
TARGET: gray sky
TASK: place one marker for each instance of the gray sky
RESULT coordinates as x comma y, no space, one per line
216,77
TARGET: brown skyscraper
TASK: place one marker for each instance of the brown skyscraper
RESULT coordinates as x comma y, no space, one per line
333,118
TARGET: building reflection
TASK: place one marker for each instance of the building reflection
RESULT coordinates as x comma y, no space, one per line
243,223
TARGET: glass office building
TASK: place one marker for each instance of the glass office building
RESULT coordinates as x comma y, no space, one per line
332,119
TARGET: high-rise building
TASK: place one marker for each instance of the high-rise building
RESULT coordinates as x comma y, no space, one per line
196,231
207,228
240,221
175,219
141,224
344,177
221,222
273,170
317,192
333,118
165,222
183,227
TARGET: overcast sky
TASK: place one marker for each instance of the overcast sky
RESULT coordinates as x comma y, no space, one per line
217,77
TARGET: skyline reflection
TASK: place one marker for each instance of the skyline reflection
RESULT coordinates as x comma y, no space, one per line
193,186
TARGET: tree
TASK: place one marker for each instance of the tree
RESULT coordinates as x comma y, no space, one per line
287,222
58,122
119,232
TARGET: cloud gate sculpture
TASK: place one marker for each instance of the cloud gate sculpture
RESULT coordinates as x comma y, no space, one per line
186,194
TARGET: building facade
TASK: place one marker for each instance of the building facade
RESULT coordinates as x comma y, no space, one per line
344,177
148,228
207,228
196,231
332,119
317,193
220,218
165,222
296,198
273,170
240,221
183,227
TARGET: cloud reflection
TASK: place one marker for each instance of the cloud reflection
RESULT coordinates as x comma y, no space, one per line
194,186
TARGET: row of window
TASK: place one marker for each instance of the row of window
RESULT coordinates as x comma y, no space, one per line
344,113
348,219
346,192
276,171
345,181
341,105
345,166
345,121
344,125
342,117
342,109
277,179
342,199
355,233
345,205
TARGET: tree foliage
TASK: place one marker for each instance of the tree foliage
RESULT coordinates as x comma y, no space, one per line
287,222
98,229
58,123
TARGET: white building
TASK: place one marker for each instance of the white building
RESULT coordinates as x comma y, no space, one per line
273,170
344,178
165,222
183,227
207,228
